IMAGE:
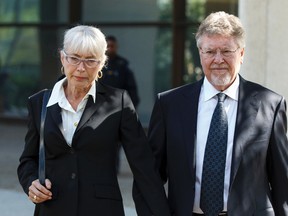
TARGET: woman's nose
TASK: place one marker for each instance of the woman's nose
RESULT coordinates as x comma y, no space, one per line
81,66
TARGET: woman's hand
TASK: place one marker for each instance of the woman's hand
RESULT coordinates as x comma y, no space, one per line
38,193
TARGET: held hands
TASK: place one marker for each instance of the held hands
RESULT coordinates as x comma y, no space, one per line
39,193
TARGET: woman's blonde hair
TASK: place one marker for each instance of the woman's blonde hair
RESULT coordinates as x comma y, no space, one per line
85,40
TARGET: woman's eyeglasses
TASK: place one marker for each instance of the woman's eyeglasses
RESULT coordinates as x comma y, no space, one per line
73,60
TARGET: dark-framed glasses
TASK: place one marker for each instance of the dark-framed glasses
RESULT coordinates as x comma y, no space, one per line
223,52
73,60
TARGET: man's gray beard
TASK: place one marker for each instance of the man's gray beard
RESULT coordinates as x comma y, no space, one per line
222,80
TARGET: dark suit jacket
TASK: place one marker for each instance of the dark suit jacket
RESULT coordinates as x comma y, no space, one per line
259,170
84,178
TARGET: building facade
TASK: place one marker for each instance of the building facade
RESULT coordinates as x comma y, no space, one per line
156,36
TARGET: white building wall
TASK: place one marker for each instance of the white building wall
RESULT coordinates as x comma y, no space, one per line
266,57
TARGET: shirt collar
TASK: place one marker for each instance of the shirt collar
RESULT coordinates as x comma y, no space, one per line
231,92
58,92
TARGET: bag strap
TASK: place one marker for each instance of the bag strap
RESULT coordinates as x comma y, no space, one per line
41,170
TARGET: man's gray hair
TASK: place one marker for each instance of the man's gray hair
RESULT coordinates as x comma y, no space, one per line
224,24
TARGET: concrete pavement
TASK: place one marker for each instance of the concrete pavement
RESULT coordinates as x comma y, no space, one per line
13,201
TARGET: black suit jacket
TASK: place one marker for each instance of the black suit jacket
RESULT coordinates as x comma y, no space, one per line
259,170
84,178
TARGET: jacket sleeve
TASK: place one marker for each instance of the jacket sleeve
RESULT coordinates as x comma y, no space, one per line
148,192
157,139
277,162
28,168
131,86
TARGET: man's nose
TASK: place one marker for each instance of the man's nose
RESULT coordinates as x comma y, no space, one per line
218,57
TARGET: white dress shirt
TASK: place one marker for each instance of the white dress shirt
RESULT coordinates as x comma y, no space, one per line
70,117
207,103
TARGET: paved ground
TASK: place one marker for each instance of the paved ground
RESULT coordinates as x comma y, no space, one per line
13,201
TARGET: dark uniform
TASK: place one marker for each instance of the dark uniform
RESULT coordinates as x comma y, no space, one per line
117,74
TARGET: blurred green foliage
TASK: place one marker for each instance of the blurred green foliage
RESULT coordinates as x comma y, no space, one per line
195,12
19,56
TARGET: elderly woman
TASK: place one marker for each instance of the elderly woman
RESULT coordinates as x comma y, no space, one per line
84,123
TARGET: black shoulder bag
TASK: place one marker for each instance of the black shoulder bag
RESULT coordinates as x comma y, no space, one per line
41,171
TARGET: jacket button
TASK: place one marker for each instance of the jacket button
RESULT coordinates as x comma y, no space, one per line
73,175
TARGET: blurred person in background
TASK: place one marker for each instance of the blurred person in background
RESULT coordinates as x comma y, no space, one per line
117,73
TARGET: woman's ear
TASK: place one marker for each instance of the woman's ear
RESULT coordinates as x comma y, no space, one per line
62,57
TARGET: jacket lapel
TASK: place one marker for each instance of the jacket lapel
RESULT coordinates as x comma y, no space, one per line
92,107
56,117
248,106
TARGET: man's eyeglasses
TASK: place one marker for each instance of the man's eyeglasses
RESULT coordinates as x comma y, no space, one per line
212,53
73,60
